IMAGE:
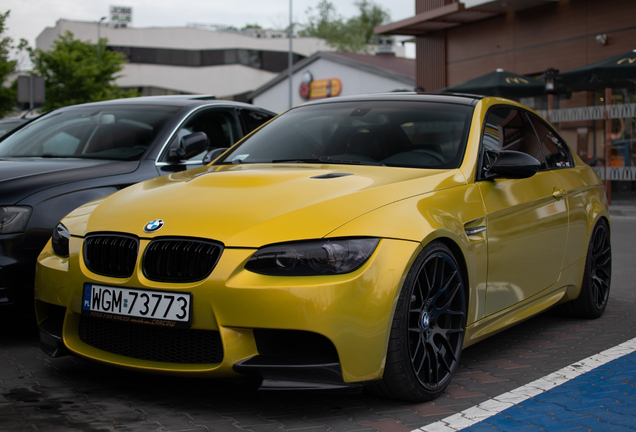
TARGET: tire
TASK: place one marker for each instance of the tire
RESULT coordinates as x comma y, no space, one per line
597,278
428,327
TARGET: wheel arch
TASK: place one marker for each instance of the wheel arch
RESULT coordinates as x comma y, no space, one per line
458,253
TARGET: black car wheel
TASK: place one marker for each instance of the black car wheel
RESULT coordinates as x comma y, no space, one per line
597,277
428,328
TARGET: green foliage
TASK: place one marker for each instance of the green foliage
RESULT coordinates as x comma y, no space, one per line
251,26
79,72
352,35
7,94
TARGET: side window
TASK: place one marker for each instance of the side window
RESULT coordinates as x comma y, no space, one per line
509,129
253,119
221,127
557,154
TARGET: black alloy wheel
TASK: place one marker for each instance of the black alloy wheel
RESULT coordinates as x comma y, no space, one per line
428,328
597,277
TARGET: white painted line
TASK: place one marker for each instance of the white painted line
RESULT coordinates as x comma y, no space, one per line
502,402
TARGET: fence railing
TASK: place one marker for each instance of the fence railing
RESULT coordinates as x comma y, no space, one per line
616,173
590,113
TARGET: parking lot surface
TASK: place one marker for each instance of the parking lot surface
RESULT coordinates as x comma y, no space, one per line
38,393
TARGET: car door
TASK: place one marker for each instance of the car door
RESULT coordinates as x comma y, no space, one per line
576,180
527,219
222,127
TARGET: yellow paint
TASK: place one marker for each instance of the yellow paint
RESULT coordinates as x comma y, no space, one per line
530,256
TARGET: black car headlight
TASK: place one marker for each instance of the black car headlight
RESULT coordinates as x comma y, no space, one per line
13,219
60,239
311,258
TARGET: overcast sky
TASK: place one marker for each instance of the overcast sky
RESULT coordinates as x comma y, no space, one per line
29,17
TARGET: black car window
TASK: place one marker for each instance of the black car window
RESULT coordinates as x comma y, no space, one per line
253,119
220,125
91,132
557,154
509,129
392,133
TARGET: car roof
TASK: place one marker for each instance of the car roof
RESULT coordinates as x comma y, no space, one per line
454,98
176,100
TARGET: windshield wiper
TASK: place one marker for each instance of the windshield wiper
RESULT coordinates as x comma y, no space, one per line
296,160
349,162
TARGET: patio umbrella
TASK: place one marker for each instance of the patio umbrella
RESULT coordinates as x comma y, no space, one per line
500,83
614,72
617,71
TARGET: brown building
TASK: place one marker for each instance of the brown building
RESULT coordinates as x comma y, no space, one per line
457,41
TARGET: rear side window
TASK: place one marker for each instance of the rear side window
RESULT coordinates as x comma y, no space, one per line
557,154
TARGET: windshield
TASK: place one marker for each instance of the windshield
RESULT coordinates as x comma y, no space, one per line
391,133
114,132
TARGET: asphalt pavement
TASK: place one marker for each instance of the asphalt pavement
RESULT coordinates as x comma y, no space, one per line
552,373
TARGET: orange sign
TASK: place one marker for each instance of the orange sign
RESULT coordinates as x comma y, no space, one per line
310,89
325,88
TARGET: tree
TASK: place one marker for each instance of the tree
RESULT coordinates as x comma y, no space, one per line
78,72
352,35
251,26
7,94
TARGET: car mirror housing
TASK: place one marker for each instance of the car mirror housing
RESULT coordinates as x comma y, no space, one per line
213,154
513,165
189,146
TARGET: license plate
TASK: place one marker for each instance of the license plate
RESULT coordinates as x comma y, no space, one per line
164,308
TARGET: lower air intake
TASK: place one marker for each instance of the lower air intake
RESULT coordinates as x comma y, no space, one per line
153,343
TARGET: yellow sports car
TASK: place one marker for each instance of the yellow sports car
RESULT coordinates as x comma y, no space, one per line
348,243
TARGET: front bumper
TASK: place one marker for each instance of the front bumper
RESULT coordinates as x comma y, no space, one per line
350,313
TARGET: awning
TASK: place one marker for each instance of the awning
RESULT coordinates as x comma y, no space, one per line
500,83
616,71
451,15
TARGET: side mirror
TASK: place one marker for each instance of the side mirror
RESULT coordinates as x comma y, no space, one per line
513,165
189,146
213,154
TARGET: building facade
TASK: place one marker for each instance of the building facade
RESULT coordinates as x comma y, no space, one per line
329,74
457,41
191,60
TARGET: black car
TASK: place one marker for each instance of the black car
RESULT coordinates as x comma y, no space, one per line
9,124
76,154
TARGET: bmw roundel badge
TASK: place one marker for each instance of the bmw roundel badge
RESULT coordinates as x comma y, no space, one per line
153,226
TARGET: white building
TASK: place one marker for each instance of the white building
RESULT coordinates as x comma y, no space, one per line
174,60
329,74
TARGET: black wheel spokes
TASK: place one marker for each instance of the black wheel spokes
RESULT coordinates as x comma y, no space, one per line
434,347
601,266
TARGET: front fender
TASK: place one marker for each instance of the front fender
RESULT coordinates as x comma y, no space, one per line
443,214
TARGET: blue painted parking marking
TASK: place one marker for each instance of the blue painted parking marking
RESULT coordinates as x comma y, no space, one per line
601,400
595,394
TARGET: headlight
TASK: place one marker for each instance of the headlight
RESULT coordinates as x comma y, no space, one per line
13,219
60,239
319,257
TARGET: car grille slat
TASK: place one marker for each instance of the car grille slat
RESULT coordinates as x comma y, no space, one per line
180,259
153,343
111,255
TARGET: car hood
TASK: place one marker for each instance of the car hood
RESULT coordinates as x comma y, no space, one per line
22,177
255,205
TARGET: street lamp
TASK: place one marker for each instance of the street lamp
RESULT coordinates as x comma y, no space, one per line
290,34
550,76
99,47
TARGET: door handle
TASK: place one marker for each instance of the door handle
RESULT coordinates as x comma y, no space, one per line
558,193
